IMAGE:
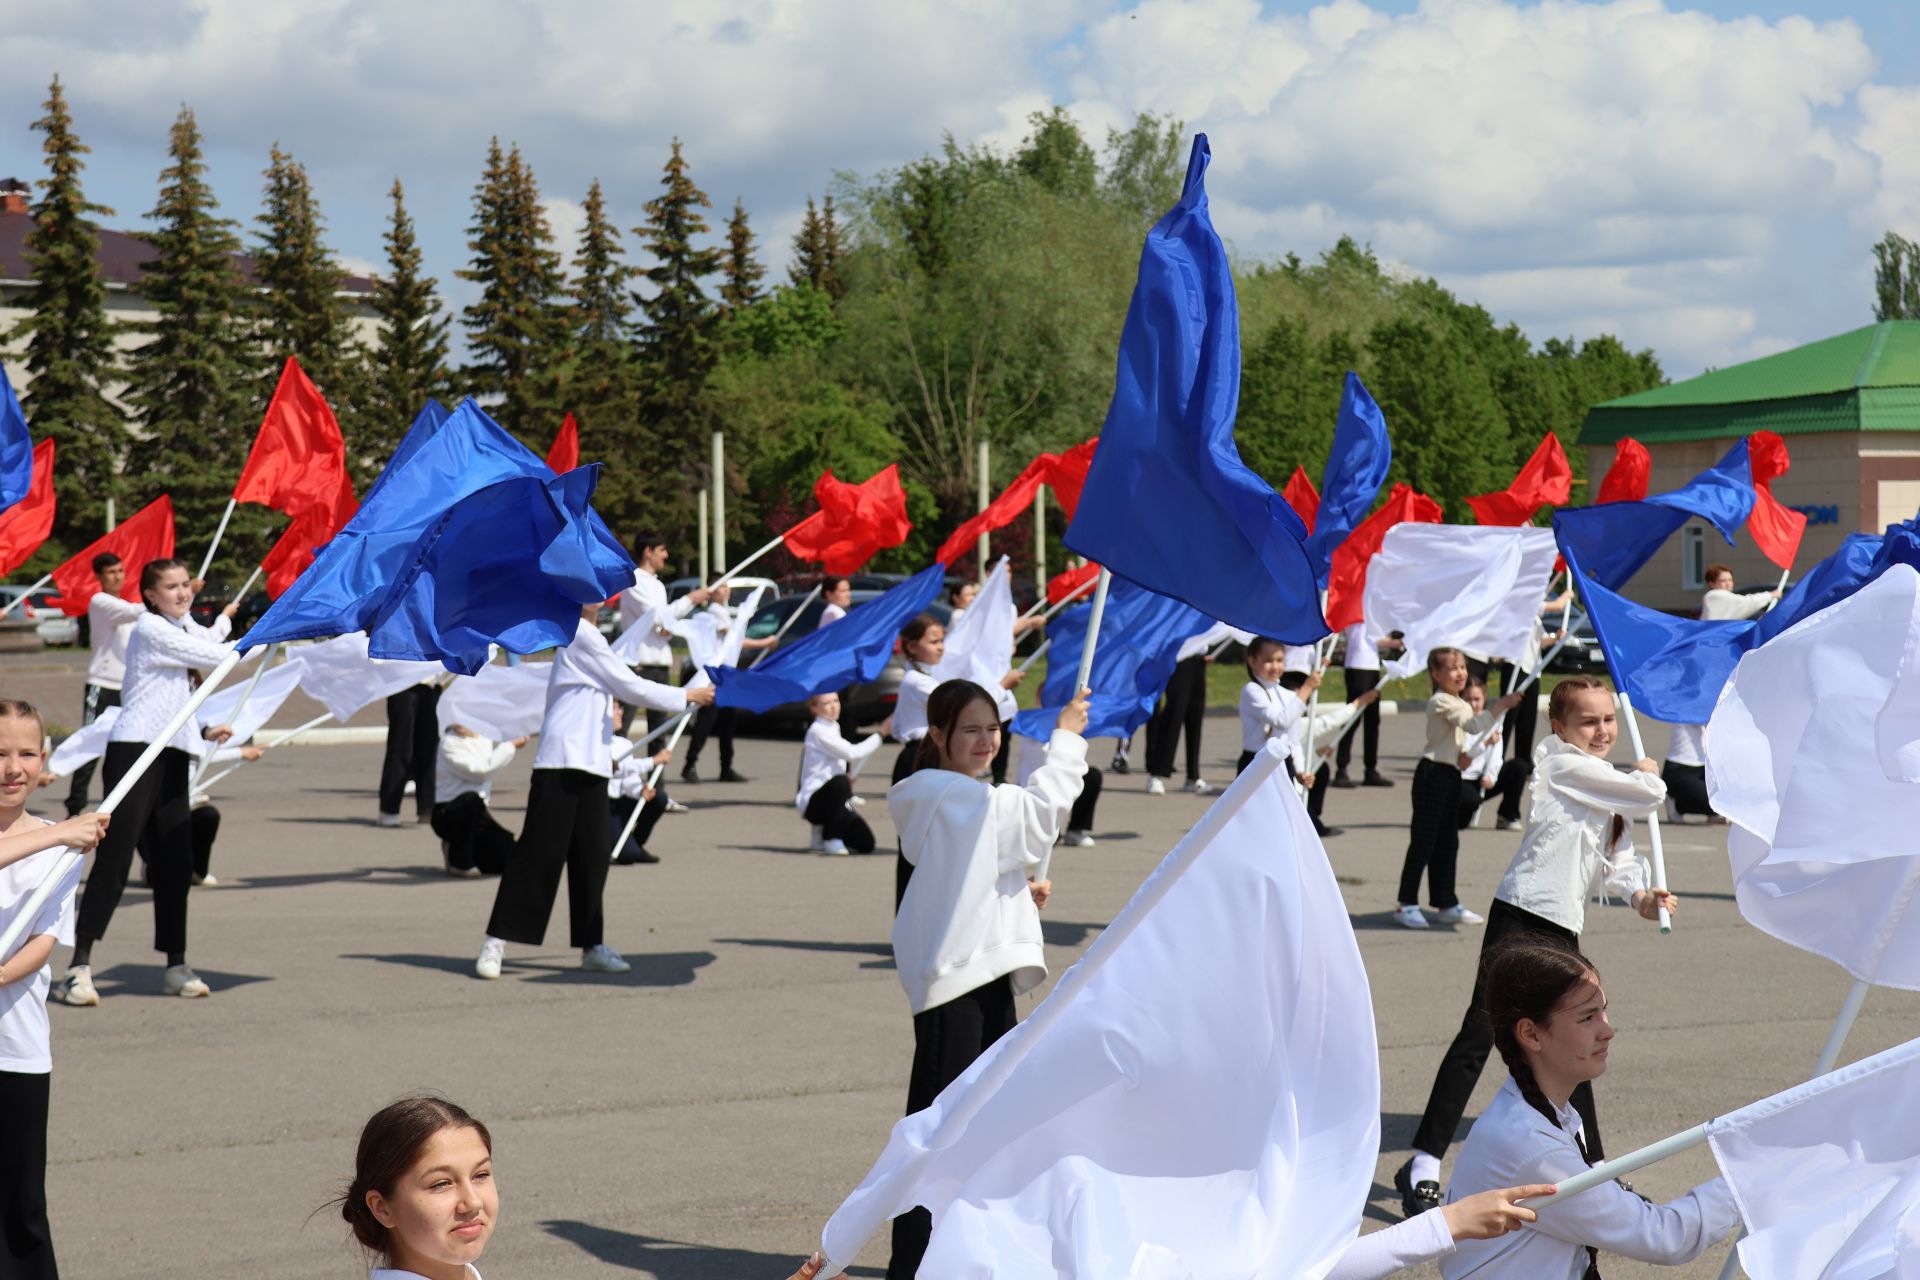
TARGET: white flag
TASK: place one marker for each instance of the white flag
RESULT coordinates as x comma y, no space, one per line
499,702
88,742
1477,587
709,646
275,687
340,676
1199,1096
1811,755
980,645
1827,1175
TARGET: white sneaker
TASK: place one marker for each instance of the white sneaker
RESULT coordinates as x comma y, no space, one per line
181,980
492,952
80,987
1199,787
834,848
1156,786
207,881
389,819
674,806
1409,918
858,802
199,798
1506,824
1078,840
603,959
817,843
1457,914
410,789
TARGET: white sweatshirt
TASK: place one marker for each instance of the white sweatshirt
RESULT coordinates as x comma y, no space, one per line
967,917
109,626
825,755
1267,710
162,656
468,765
910,704
577,730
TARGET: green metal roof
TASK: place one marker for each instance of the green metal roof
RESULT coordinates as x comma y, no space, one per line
1866,380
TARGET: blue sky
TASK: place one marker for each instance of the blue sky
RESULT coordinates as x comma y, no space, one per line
1704,181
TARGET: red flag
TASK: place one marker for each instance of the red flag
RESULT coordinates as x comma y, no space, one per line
1014,499
1302,497
145,535
1067,476
1061,585
298,461
1627,478
26,524
1545,481
854,521
1347,582
1776,529
565,454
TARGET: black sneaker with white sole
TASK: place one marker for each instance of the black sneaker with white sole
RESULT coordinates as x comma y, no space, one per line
1415,1197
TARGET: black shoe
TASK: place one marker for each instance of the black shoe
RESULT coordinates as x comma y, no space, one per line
634,859
1119,765
1415,1197
690,776
1341,779
1328,833
1376,779
730,775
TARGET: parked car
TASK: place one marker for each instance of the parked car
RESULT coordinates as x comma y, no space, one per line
1582,654
865,704
214,597
20,629
55,626
739,589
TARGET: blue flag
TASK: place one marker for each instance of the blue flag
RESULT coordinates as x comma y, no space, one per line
854,649
16,447
1168,503
432,416
1356,468
1609,543
1674,668
425,517
1139,644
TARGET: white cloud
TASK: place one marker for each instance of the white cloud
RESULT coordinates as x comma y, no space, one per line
1890,130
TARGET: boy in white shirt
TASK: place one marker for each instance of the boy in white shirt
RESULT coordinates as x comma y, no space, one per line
109,622
471,842
825,794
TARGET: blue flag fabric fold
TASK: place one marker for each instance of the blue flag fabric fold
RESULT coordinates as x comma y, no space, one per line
1609,543
432,416
1168,503
1356,468
849,651
1139,644
16,447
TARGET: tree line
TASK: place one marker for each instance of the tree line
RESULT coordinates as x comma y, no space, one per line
971,295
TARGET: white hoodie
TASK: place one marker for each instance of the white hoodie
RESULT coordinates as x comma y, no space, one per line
967,917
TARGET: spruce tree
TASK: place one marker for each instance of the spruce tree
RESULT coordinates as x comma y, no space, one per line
408,366
744,273
601,390
816,251
517,329
70,352
300,313
191,385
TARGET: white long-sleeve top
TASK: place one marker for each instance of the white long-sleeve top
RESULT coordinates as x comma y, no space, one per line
109,625
1267,710
910,706
468,765
1726,606
1302,658
826,755
577,730
26,1044
632,768
1512,1144
1483,756
1361,654
832,613
638,603
1688,744
1563,859
1408,1243
967,917
161,658
1328,722
1450,722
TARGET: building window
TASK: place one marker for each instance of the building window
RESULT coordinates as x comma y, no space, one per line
1693,558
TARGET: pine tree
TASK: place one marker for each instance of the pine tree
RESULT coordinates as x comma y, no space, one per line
70,343
601,389
191,385
744,273
517,329
409,364
816,251
300,313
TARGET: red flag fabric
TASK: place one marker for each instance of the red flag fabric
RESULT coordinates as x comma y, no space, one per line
1013,499
1775,529
854,521
298,461
565,454
1061,585
1067,475
1629,475
1302,497
1347,581
294,551
1545,481
26,524
145,535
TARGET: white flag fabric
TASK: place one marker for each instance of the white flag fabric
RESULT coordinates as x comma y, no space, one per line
1827,1175
1200,1095
275,687
980,645
1477,587
88,742
500,702
1811,756
709,646
340,676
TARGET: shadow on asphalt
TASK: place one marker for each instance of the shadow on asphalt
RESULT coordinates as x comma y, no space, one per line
806,944
1066,933
372,875
676,1259
1384,920
144,980
670,969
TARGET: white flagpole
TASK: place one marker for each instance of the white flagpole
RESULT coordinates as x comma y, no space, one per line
1093,632
1320,661
207,762
280,741
31,908
679,724
1655,847
217,535
1035,657
1652,1153
730,574
251,579
21,599
1220,648
791,619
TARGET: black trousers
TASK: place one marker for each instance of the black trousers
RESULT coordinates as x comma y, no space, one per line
1687,787
1510,782
97,699
473,837
1517,730
413,740
26,1240
706,722
1182,708
946,1040
827,809
566,828
908,760
658,674
1358,682
1433,837
1080,817
204,827
620,810
1467,1055
155,813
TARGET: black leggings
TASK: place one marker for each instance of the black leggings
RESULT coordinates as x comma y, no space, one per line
413,740
827,809
1081,816
1183,709
1687,786
1511,781
26,1241
566,828
474,839
156,813
205,828
1433,838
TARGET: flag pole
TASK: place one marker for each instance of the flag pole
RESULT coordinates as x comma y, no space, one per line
37,900
679,725
251,579
1093,631
291,734
1035,657
730,574
217,535
261,670
21,599
1059,604
1320,661
1655,847
1652,1153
